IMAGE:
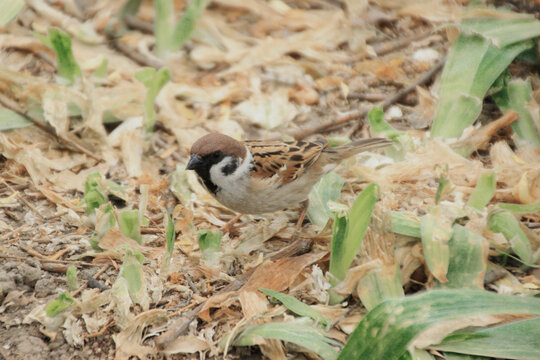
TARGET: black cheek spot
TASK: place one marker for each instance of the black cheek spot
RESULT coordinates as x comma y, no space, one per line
297,157
230,167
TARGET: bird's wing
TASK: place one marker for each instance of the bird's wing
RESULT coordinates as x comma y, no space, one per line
284,160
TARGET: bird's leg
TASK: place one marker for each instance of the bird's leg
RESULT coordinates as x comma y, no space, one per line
229,226
302,215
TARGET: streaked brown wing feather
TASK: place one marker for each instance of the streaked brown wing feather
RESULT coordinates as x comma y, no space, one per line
287,160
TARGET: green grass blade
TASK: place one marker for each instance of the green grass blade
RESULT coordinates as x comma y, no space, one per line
66,64
503,32
473,65
405,224
520,208
387,331
502,221
63,302
515,95
12,120
163,26
210,245
153,80
296,306
183,30
71,278
9,10
170,235
468,259
346,246
483,192
297,333
436,231
402,141
327,189
515,340
380,284
132,272
129,224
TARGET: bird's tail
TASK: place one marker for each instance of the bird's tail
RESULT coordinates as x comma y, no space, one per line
357,146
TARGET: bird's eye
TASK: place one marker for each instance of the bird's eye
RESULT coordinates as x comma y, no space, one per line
216,154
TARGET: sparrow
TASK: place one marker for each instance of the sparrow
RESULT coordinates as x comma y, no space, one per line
258,176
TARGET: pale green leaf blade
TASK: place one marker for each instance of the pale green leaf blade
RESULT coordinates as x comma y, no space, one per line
12,120
387,331
516,96
515,340
473,65
66,64
468,259
436,232
170,235
502,221
296,306
71,278
503,32
297,333
520,208
483,192
9,10
327,189
405,224
129,224
345,248
63,302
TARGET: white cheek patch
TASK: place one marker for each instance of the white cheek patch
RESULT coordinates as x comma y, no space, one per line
228,181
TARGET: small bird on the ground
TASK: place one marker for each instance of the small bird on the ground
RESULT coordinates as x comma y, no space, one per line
258,176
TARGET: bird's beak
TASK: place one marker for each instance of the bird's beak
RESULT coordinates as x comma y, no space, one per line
194,162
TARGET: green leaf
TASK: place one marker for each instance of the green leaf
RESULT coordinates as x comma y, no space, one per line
468,259
473,65
380,284
63,302
170,235
520,208
131,7
296,306
71,278
9,10
515,340
294,332
379,125
436,231
101,71
444,188
210,244
516,96
66,63
129,225
132,272
503,32
163,26
93,199
348,234
405,224
387,331
153,81
402,141
186,25
483,192
327,189
502,221
12,120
